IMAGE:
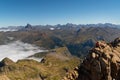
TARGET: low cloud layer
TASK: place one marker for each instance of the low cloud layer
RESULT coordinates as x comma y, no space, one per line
7,29
18,50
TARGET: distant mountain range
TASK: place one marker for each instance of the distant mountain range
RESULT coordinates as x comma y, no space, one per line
58,26
77,38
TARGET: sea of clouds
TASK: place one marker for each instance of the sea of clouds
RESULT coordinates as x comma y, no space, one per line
18,50
7,29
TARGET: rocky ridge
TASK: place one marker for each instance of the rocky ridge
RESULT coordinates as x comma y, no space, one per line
102,63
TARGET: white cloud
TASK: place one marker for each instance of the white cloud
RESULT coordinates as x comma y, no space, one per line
52,28
6,30
18,50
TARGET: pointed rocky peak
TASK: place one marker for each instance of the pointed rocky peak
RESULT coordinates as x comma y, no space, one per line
28,26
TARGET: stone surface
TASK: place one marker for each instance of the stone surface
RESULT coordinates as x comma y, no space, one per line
102,62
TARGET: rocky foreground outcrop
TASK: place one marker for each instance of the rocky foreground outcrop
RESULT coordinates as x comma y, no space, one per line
102,62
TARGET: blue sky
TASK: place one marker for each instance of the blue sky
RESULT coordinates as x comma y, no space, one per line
21,12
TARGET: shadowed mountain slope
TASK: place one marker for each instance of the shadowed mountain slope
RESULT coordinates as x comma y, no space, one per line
77,38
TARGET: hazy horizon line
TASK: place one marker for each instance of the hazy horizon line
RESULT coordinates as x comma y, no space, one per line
60,24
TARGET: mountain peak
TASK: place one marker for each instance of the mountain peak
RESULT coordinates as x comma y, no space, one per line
28,26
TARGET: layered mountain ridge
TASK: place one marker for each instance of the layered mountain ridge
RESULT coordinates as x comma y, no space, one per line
75,37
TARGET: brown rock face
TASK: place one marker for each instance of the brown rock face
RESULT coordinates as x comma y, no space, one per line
102,62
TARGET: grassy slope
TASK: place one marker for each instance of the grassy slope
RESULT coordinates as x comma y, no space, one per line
53,67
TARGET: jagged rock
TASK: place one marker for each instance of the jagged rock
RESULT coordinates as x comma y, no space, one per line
102,62
72,75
